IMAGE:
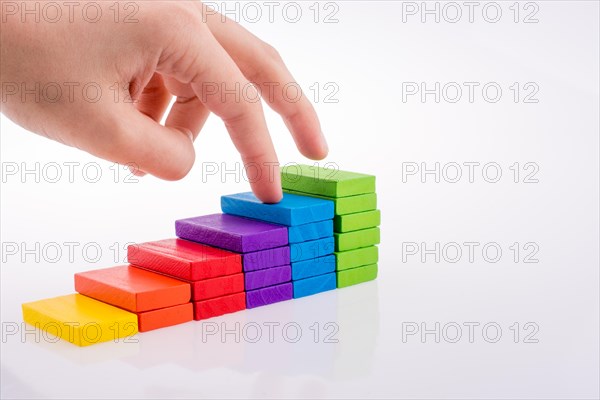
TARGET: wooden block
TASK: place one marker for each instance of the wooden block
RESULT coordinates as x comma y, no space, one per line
355,276
266,258
163,317
311,249
348,204
219,306
79,319
217,287
314,285
357,221
132,288
356,258
184,259
269,295
267,277
292,210
356,239
325,181
231,232
313,267
312,231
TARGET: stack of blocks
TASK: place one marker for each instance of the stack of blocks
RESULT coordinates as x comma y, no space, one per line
356,220
309,223
322,235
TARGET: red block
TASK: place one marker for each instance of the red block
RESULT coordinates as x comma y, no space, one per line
163,317
219,306
217,287
184,259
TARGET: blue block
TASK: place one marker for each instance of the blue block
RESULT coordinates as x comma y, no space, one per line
292,210
312,249
312,231
313,267
314,285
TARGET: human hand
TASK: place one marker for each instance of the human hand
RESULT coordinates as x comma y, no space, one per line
174,49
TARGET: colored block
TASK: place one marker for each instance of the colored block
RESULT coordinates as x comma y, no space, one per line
313,267
269,295
184,259
312,249
163,317
356,239
132,288
266,258
292,210
79,319
348,204
329,182
314,285
219,306
312,231
267,277
231,232
356,258
357,221
355,276
217,287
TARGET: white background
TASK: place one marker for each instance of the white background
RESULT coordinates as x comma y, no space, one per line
368,54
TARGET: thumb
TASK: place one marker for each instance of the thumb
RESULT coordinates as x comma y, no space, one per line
145,145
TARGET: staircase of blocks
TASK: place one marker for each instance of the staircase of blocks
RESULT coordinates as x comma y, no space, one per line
323,235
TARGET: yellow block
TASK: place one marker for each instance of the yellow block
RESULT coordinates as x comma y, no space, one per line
79,319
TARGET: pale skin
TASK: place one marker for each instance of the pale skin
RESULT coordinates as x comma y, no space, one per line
174,49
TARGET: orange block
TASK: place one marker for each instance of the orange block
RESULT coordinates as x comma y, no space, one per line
132,288
163,317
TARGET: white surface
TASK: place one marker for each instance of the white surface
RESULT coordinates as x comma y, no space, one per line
368,54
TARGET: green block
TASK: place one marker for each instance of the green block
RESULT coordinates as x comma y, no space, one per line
329,182
348,204
355,276
357,221
356,258
356,239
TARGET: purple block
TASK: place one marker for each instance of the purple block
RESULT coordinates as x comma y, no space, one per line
267,277
233,233
269,295
266,258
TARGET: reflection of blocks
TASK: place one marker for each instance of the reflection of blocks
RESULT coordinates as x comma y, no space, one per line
321,236
80,320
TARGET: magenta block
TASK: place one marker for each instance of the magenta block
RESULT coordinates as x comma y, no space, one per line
233,233
269,295
267,277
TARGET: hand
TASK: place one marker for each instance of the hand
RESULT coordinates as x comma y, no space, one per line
104,86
